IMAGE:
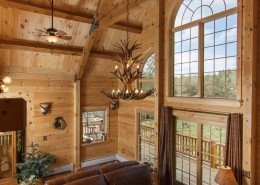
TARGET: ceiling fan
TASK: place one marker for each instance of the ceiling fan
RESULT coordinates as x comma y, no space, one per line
53,34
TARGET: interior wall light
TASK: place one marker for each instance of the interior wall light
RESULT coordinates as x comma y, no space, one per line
3,87
45,108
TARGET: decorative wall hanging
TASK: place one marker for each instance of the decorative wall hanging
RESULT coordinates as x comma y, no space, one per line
59,123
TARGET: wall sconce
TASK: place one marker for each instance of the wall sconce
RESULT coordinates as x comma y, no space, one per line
3,87
114,105
45,107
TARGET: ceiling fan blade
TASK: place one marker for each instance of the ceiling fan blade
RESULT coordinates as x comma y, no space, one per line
42,31
65,37
60,33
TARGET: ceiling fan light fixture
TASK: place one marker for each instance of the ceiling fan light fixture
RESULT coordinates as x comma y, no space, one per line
52,38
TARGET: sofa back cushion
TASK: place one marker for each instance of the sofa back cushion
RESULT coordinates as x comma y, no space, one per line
115,166
94,180
132,175
72,177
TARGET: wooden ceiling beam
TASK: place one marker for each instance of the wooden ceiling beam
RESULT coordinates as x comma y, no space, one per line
56,49
40,47
119,13
65,14
102,54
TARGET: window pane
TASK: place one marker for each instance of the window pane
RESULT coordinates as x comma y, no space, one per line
186,45
177,69
232,21
209,40
231,77
194,79
220,24
208,66
186,34
185,80
208,91
231,63
177,79
231,4
194,67
209,27
177,47
208,78
194,55
179,16
185,57
206,11
194,43
94,126
232,35
187,16
220,64
209,53
194,32
197,14
146,135
177,58
220,37
177,36
177,90
218,6
220,51
185,68
232,49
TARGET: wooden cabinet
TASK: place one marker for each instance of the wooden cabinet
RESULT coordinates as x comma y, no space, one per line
7,155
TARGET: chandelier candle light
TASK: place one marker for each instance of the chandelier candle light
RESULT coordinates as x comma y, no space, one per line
128,74
3,87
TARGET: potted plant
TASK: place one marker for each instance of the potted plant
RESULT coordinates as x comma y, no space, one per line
36,165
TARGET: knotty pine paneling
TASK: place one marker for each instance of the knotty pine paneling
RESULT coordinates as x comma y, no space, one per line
59,93
95,78
258,104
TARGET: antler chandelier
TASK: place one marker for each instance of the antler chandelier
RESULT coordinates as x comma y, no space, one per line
128,74
3,87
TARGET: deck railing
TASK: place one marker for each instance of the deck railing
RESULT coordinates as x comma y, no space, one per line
212,151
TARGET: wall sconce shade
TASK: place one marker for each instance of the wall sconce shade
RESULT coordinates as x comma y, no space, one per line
45,107
59,123
114,105
3,82
225,176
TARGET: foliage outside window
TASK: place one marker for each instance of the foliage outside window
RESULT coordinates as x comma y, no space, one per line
205,49
94,125
148,75
210,144
146,137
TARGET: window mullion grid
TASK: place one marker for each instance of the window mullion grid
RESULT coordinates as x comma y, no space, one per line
201,60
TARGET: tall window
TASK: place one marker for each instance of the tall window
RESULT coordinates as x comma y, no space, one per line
148,75
192,139
94,125
146,137
205,49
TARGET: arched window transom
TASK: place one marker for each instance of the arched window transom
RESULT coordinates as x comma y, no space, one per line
205,49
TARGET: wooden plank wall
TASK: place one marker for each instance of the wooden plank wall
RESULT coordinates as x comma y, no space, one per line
127,113
258,104
60,94
96,77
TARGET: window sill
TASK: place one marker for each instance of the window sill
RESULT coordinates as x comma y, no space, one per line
205,101
94,143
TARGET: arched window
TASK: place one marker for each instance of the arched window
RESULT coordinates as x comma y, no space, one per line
205,49
147,81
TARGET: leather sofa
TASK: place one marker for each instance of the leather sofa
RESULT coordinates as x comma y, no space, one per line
118,173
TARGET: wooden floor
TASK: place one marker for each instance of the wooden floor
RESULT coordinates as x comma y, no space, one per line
186,171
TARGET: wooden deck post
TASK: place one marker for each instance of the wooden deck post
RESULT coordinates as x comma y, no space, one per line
213,160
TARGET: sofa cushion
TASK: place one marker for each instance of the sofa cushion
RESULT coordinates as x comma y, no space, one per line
137,175
94,180
115,166
72,177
